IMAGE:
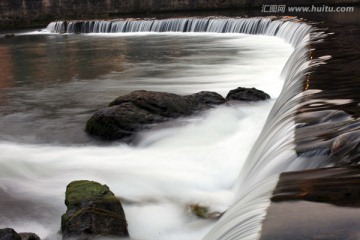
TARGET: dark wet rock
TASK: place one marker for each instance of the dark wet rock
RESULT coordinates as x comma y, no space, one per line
165,104
205,100
29,236
9,234
318,204
170,104
247,94
121,121
336,185
142,109
92,211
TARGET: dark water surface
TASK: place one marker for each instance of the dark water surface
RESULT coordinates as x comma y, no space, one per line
50,84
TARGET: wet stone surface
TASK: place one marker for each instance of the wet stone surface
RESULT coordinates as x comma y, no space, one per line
315,204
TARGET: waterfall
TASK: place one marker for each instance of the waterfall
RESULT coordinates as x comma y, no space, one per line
273,152
56,27
264,26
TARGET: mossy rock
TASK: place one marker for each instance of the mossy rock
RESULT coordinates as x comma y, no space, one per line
200,211
204,212
83,190
92,211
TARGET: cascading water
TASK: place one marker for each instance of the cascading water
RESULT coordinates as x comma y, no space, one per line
272,154
290,31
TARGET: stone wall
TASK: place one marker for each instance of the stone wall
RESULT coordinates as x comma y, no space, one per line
37,13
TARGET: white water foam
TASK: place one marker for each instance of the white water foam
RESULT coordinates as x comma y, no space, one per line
197,163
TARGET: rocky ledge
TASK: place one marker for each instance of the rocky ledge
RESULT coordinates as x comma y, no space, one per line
142,109
318,204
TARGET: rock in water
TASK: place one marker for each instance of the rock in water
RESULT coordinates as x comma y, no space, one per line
159,103
142,109
28,236
247,94
92,211
170,105
9,234
121,121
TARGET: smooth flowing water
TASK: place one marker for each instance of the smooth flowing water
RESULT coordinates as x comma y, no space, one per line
51,84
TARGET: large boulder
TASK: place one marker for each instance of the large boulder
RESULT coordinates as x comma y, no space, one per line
142,109
247,94
121,121
170,105
92,211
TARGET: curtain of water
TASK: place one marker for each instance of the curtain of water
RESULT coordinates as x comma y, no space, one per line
291,31
273,152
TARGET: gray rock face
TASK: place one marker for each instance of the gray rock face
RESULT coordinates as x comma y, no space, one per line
92,211
142,109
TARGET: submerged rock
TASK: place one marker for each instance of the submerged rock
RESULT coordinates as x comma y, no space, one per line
11,234
92,211
247,94
142,109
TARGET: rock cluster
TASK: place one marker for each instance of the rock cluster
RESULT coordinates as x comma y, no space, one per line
141,109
